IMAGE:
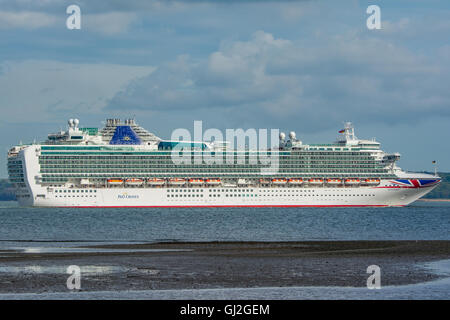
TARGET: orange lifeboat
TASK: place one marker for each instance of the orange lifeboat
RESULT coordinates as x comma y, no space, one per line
156,181
134,182
115,181
177,181
279,181
196,181
295,181
372,181
213,181
334,181
315,181
352,181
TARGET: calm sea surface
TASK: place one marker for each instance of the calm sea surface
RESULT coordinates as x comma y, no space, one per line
41,229
420,221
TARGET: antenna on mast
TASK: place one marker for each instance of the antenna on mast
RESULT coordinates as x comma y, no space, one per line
435,167
349,131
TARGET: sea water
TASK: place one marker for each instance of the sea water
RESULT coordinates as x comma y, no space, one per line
419,221
44,229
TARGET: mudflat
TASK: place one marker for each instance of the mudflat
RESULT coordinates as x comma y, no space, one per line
193,265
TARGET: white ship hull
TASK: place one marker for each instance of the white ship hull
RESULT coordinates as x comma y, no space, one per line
379,196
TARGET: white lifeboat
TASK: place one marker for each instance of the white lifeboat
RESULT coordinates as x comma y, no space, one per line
156,181
177,181
242,182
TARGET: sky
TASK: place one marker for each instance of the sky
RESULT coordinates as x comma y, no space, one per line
304,66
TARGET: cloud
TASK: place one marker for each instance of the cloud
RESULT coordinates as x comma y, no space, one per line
93,7
397,27
314,65
110,23
26,20
44,90
347,77
232,75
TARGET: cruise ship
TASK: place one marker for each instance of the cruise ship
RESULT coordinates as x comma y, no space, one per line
124,165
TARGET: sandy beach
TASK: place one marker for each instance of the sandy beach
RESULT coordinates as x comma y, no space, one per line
193,265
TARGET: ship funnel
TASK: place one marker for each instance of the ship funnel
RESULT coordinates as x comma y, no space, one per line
292,135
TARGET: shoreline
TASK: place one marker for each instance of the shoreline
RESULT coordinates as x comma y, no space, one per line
215,265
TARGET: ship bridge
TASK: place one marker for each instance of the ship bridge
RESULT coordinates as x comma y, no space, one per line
127,132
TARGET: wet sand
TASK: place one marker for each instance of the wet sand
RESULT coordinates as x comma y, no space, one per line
223,265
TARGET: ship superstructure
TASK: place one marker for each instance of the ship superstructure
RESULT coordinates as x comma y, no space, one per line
124,165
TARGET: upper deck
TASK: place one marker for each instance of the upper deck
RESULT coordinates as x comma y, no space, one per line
126,150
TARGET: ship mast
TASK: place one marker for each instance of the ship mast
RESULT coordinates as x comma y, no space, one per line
349,132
